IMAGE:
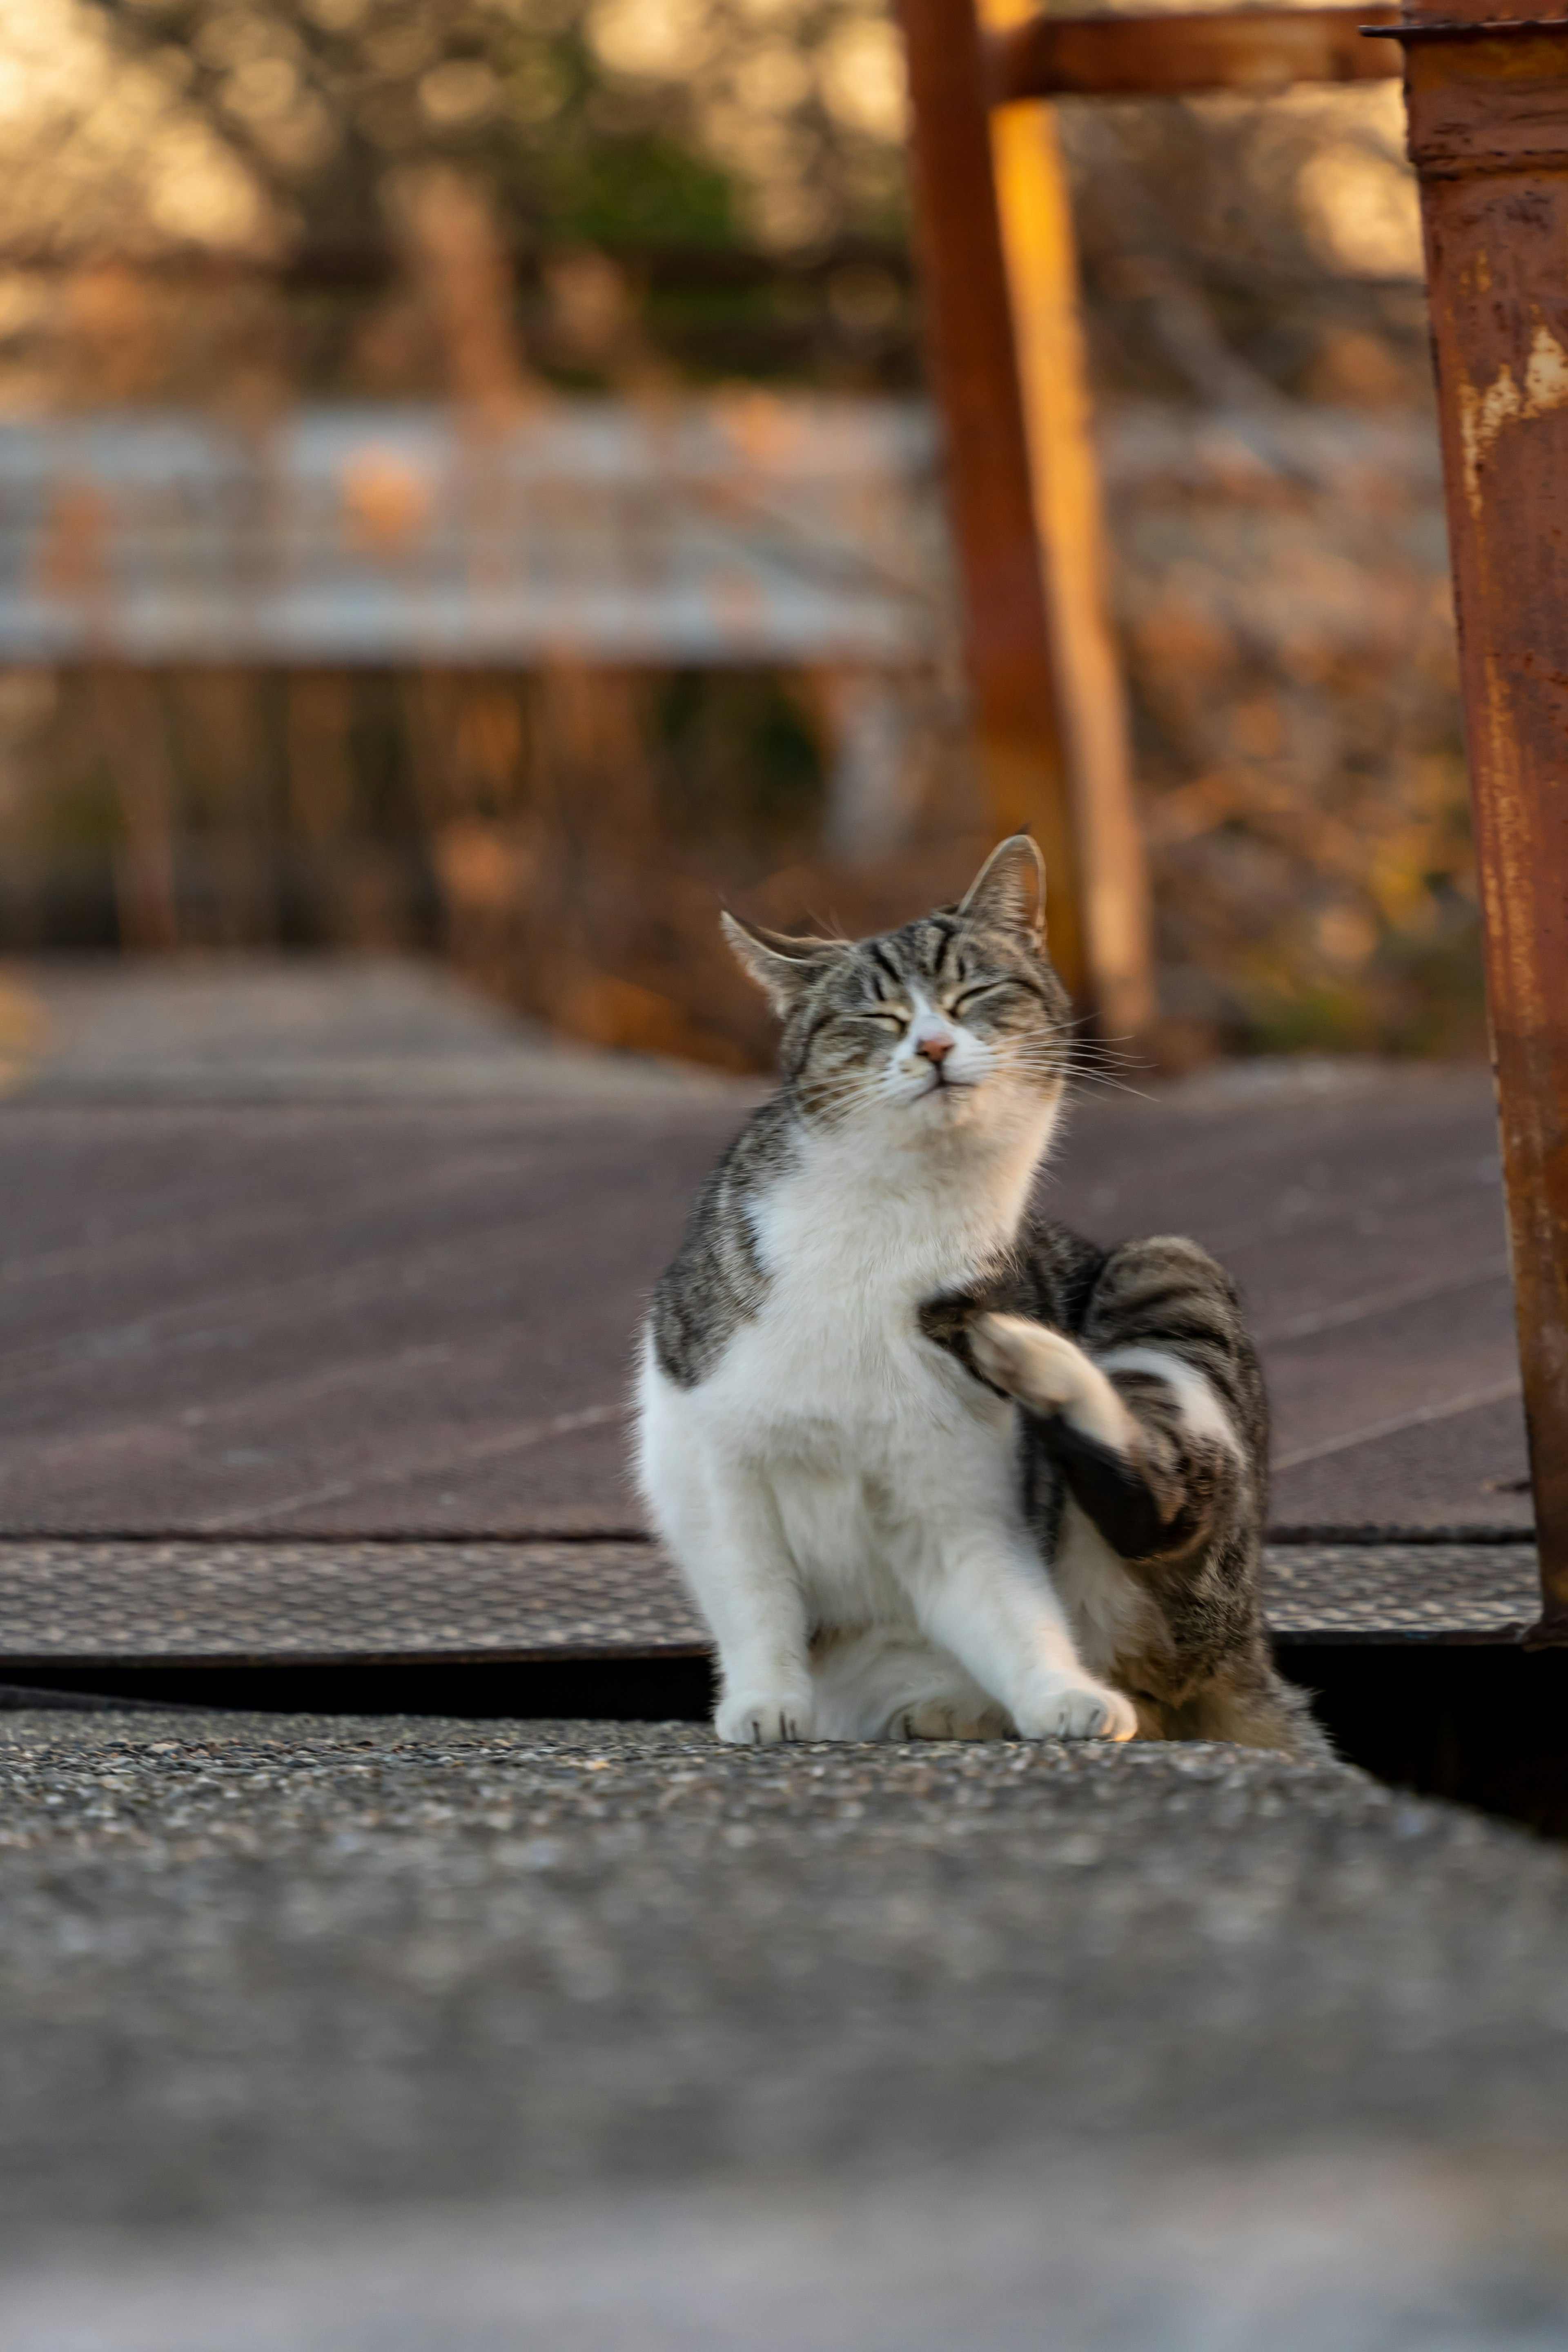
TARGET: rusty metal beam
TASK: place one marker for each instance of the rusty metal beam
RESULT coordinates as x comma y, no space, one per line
1017,714
1487,100
1253,50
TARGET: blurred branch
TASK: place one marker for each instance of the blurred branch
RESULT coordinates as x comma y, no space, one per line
1185,328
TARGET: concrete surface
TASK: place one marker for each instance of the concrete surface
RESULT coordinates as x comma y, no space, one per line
370,2035
396,2036
253,1963
1357,2252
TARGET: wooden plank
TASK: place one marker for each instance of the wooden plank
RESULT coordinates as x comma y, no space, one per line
412,1315
1254,50
1036,212
1489,137
1017,712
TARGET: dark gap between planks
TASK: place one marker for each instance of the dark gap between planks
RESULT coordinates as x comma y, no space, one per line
1480,1723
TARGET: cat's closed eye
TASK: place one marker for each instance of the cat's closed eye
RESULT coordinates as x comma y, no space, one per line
961,1004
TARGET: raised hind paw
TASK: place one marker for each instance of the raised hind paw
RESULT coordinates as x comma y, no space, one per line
1042,1368
1076,1710
1050,1373
760,1718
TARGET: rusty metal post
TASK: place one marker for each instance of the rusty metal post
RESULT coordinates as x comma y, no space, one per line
1487,102
969,329
1034,206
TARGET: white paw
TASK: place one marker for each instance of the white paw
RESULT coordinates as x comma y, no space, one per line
1025,1359
1076,1710
759,1718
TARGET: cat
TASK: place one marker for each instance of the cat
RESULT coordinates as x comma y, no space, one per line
931,1466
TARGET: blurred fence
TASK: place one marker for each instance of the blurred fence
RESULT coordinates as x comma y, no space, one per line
537,689
374,570
528,686
733,529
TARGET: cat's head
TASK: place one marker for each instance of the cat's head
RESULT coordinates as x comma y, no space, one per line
950,1021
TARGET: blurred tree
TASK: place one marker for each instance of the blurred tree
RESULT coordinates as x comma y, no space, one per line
741,163
634,121
467,198
1235,251
741,160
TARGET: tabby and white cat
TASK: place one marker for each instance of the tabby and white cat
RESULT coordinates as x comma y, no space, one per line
934,1468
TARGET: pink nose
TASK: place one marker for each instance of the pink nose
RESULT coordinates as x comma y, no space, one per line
935,1049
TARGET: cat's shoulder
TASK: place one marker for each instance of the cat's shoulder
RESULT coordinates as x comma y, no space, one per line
716,1280
766,1151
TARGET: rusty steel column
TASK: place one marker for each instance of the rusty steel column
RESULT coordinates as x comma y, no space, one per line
1039,248
1487,101
1019,722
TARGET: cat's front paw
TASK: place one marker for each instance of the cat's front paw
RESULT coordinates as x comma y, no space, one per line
1024,1360
759,1718
1076,1709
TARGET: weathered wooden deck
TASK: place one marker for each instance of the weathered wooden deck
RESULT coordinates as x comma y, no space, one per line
319,1286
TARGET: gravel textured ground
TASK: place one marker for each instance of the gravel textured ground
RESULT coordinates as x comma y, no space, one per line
269,1965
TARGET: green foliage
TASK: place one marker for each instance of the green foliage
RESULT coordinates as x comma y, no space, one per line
644,189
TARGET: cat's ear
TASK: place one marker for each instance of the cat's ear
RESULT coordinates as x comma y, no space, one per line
780,966
1010,889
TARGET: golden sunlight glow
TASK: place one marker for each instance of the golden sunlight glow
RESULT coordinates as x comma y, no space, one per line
1361,211
197,188
651,36
863,77
101,151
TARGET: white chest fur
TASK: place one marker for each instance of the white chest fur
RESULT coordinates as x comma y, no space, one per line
863,1442
852,1244
842,1496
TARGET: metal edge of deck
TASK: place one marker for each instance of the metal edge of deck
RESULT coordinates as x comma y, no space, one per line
77,1607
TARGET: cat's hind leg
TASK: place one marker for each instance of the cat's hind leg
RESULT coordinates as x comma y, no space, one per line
1141,1435
1050,1373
